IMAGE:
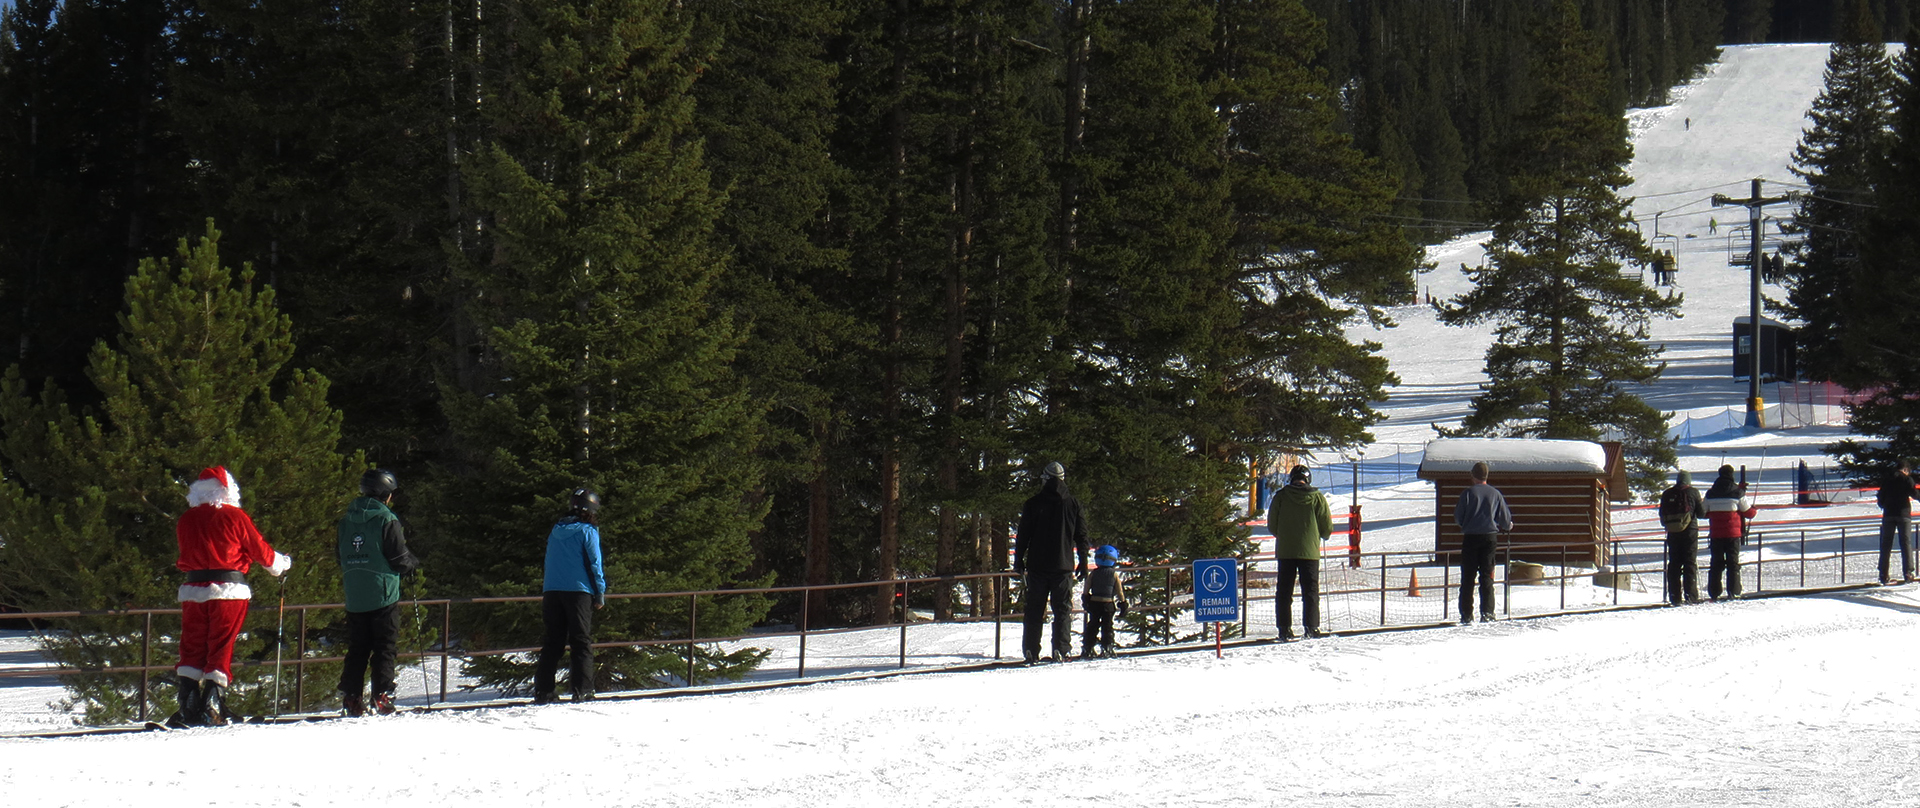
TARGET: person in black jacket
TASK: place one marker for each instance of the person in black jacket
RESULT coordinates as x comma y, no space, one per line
1681,509
1053,531
1896,517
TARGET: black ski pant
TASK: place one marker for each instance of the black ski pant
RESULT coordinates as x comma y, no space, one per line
1723,564
1902,525
1476,569
1683,567
371,637
1307,572
1099,627
1048,588
569,622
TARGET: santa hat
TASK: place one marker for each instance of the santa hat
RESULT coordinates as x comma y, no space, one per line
215,487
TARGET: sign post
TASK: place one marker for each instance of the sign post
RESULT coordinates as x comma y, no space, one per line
1216,594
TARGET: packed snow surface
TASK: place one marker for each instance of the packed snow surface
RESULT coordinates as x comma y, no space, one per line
1801,701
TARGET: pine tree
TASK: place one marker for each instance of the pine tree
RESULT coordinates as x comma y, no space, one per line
199,379
764,112
1131,417
92,170
1571,322
321,142
607,363
1837,157
1882,308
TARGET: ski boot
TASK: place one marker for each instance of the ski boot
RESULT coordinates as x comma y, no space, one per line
213,697
352,705
544,697
190,712
383,704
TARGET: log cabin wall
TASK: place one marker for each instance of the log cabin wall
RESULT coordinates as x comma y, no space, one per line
1558,518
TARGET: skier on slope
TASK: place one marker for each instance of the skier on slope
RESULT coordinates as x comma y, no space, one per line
372,552
1896,521
1300,521
1681,509
1105,597
218,544
1053,530
575,584
1726,504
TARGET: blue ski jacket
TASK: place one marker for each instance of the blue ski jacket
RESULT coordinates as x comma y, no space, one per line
573,559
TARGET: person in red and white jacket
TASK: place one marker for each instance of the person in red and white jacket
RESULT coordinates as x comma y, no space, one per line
218,545
1727,508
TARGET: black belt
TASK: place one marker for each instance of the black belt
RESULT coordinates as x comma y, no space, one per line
216,577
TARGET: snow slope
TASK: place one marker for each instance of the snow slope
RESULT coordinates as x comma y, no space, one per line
1789,701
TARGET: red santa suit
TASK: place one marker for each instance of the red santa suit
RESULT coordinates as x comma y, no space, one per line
218,544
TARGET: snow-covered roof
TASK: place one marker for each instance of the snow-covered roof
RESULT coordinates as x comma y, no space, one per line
1514,454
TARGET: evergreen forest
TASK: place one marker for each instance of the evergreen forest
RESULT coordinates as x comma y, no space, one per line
809,290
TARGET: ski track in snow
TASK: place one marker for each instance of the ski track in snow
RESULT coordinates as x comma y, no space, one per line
1792,701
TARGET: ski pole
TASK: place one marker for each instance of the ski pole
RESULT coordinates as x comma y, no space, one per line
279,644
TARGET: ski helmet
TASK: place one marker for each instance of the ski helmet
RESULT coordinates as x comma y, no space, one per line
1300,475
584,499
1054,471
1106,556
378,483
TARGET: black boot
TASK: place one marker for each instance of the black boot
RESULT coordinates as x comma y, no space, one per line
213,697
190,713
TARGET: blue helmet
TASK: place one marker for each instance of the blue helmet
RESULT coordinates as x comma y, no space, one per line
1106,556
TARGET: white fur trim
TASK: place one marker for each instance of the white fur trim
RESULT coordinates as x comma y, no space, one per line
218,590
189,672
281,563
215,677
210,492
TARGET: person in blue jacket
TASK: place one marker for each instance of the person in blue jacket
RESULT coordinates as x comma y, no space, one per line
575,586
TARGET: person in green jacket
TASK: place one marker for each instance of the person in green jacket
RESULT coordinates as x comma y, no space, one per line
373,555
1300,520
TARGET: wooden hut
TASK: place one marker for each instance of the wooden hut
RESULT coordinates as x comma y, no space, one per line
1557,489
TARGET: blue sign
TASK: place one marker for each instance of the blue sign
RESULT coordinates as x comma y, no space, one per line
1216,590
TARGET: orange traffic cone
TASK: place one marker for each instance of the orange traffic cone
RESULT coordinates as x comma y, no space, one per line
1413,583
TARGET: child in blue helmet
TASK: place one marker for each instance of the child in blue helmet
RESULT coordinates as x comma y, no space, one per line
1104,597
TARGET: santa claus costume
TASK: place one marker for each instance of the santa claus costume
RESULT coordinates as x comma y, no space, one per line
218,544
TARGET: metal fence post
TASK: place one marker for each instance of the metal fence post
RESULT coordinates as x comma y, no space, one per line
446,643
1383,590
1803,558
903,623
146,661
997,582
693,626
806,598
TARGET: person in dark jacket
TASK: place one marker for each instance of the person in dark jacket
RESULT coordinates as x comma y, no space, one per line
1727,509
1052,533
372,552
1300,521
1105,597
1482,514
1681,510
1896,518
575,585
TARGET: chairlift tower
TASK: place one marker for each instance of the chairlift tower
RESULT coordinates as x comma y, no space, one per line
1756,408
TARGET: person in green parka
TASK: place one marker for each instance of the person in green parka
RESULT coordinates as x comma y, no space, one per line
373,555
1300,521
